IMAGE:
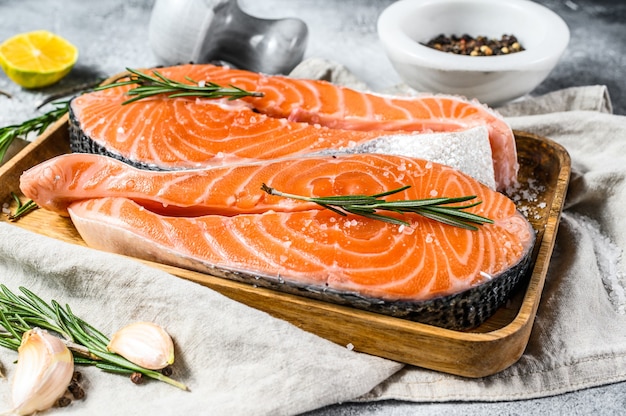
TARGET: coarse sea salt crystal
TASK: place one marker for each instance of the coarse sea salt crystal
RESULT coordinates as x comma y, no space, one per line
350,346
486,275
468,150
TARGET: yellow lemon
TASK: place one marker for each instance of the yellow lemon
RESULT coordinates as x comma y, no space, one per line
37,59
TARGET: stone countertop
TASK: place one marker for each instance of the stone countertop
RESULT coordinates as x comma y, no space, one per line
112,35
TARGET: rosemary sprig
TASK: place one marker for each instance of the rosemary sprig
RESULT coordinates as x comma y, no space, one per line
20,313
37,124
437,209
22,208
159,84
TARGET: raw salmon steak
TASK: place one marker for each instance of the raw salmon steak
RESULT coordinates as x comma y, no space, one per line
220,222
294,117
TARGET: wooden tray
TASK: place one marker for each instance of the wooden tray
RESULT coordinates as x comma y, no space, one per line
488,349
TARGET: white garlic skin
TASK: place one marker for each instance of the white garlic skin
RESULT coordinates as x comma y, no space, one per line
145,344
44,371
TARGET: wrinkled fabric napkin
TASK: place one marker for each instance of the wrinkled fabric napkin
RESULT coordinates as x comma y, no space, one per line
237,360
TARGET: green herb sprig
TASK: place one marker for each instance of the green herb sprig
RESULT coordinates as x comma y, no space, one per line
20,313
437,209
37,124
149,86
22,208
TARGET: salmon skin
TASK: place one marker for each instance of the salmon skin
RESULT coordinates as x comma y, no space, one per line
219,221
294,117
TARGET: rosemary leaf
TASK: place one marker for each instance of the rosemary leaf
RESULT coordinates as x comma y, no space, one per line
37,124
438,209
114,369
148,86
22,209
20,313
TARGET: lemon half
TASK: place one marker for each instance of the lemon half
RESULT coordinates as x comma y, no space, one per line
37,59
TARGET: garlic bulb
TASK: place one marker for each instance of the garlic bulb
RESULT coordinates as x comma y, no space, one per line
44,370
145,344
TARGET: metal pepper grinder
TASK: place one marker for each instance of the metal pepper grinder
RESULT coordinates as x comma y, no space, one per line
202,31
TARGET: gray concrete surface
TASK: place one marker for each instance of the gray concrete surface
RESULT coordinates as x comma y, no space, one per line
112,35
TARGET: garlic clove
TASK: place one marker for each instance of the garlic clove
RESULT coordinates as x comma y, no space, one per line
145,344
44,370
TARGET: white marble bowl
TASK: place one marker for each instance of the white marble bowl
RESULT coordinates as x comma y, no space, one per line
493,80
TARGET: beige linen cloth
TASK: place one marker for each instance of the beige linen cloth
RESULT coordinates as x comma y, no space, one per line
239,361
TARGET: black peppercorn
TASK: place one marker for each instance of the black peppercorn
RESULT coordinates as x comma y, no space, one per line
478,46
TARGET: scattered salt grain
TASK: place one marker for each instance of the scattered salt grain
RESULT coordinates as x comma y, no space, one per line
6,210
528,197
120,130
201,84
350,347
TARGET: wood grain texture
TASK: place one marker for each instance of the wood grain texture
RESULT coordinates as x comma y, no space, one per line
488,349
